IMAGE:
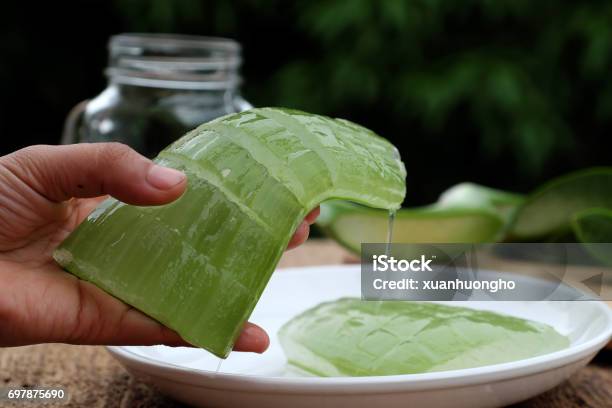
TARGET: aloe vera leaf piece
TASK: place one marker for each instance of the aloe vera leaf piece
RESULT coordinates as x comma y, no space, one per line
351,337
594,226
472,195
351,225
549,209
199,264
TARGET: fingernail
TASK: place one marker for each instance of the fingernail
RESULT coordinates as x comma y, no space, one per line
164,178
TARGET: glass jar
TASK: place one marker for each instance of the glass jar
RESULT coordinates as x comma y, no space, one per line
159,87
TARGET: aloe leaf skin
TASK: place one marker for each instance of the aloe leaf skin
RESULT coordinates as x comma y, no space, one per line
351,225
595,226
199,265
549,210
351,337
472,195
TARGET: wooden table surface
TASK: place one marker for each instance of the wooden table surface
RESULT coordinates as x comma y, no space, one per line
94,379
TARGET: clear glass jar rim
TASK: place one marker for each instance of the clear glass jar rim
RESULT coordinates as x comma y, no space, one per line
174,60
174,41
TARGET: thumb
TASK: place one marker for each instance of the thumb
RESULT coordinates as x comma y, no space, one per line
92,169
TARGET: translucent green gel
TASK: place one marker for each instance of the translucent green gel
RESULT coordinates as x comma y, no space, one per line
350,337
199,264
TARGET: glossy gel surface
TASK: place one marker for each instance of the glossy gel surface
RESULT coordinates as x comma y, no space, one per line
199,264
350,337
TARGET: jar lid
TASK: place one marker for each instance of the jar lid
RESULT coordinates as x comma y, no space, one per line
174,61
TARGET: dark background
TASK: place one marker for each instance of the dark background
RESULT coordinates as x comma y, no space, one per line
507,93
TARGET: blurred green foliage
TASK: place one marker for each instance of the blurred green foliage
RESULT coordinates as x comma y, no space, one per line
506,93
506,76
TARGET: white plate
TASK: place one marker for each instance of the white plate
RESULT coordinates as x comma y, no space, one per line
252,380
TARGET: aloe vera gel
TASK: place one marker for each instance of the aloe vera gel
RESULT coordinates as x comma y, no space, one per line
199,264
350,337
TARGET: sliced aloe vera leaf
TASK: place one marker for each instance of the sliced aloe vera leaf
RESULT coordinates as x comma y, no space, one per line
199,264
351,225
549,210
595,226
472,195
350,337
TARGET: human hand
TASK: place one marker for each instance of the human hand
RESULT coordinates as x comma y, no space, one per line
45,193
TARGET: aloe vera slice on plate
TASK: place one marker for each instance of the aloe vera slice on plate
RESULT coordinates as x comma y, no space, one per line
199,264
549,210
351,337
351,224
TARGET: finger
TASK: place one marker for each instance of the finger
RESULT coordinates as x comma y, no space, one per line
303,230
312,216
103,319
93,169
253,338
99,318
300,236
137,329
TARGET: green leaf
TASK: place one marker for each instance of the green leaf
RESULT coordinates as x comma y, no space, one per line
595,226
350,337
549,210
471,195
200,264
351,224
